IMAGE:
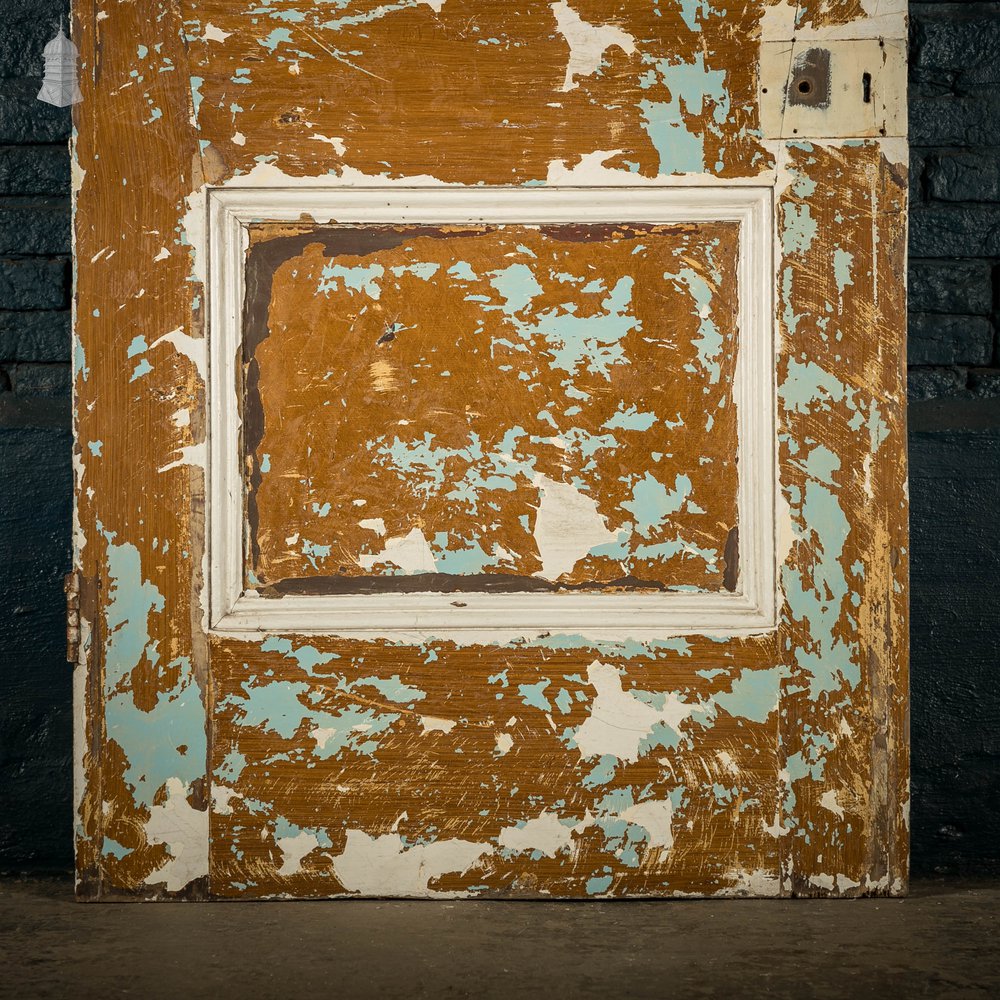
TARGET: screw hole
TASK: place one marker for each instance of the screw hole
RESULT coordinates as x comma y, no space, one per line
805,87
763,90
866,88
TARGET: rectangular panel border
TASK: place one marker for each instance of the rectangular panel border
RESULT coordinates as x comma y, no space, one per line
470,617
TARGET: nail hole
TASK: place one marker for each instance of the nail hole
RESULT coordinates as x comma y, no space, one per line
763,90
866,87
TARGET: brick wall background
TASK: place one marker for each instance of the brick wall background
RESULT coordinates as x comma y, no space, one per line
954,442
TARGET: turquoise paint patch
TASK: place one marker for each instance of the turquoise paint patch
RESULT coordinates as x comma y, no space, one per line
138,346
754,694
375,14
196,98
464,561
462,270
359,278
631,420
652,503
275,38
307,657
693,88
564,701
817,595
692,11
275,706
142,368
115,849
232,766
602,772
424,270
314,552
517,285
152,741
806,383
598,884
531,695
80,361
798,228
393,688
283,829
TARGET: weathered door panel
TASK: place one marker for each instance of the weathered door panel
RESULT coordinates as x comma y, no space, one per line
490,447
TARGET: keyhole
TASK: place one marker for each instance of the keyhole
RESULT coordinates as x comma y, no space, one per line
805,86
866,87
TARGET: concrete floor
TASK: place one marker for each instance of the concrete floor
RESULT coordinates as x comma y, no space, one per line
941,942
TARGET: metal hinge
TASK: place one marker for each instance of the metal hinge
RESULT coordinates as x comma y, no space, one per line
71,586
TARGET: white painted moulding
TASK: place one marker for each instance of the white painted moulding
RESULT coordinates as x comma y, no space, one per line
476,617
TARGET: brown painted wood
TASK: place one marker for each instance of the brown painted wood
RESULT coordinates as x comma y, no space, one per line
312,765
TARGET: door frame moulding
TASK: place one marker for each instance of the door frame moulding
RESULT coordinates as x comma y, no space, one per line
480,617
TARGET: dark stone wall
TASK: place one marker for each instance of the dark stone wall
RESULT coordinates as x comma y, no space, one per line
954,417
954,442
35,470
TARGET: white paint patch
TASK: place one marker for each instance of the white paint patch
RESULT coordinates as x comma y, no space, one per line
435,5
882,19
432,724
222,797
162,255
409,552
338,144
383,866
543,833
655,818
567,527
759,882
777,828
193,348
184,831
239,139
828,800
321,736
213,34
505,743
618,721
375,524
587,42
190,454
181,418
293,850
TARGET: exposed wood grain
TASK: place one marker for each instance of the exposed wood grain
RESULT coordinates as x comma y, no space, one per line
551,766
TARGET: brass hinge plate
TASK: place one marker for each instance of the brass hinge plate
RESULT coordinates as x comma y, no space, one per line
71,587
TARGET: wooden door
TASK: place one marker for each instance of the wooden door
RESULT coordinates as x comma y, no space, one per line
490,448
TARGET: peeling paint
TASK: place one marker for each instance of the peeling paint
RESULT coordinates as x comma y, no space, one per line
480,408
